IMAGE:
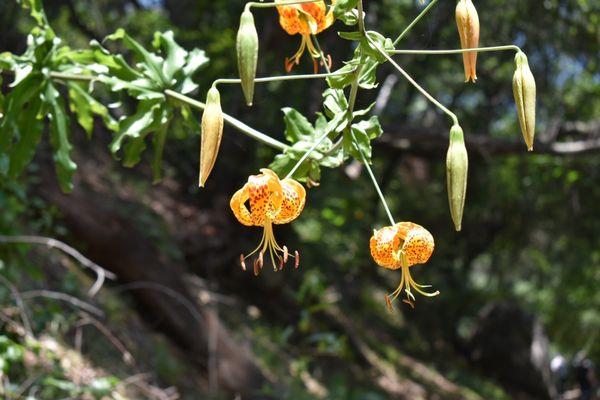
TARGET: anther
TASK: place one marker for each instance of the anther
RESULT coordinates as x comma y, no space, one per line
260,260
388,303
285,254
280,264
256,269
410,303
297,256
242,262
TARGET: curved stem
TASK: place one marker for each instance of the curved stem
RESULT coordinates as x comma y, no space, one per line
284,78
458,51
414,22
374,180
239,125
306,155
414,83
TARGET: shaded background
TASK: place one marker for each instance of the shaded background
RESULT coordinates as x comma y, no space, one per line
519,284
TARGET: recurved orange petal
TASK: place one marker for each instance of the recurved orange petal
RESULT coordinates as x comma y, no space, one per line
294,198
384,245
238,206
418,242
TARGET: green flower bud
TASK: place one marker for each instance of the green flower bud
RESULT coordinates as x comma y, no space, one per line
524,91
457,167
212,132
247,54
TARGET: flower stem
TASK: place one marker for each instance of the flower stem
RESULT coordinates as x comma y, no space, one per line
285,77
239,125
375,184
458,51
414,83
306,155
414,22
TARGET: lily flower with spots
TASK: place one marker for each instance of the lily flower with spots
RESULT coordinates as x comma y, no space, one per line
400,247
263,201
306,20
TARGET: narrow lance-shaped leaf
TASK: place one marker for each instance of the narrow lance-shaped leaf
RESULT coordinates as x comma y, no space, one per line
59,138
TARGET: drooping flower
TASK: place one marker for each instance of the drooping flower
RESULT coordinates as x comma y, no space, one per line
467,22
400,247
263,201
306,20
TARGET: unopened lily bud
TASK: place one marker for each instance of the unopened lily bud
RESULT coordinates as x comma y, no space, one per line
247,54
467,22
524,91
457,167
212,132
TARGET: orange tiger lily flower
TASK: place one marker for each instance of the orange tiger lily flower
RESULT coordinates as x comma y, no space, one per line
400,247
306,20
263,201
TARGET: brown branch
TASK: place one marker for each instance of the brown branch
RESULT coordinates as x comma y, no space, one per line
101,273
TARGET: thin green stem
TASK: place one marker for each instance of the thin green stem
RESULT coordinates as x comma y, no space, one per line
284,78
321,53
239,125
71,77
361,17
458,51
375,184
414,22
280,3
414,83
306,155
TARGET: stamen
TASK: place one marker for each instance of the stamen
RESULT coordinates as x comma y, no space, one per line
256,269
410,303
388,303
242,262
285,254
260,260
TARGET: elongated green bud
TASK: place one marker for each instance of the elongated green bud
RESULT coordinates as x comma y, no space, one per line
457,168
247,54
524,91
212,132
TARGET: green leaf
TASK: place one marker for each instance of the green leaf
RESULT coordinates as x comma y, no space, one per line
341,7
85,107
14,103
149,117
176,56
151,63
376,41
59,138
334,102
30,127
297,126
359,139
